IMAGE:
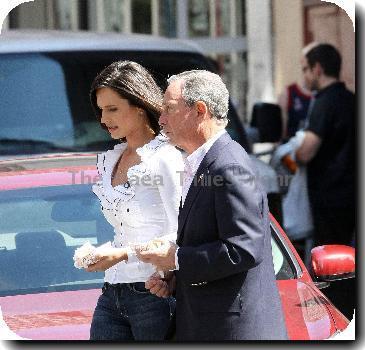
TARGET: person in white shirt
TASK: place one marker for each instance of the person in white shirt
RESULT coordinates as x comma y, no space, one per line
139,191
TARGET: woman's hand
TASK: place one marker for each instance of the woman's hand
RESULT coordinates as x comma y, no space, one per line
107,258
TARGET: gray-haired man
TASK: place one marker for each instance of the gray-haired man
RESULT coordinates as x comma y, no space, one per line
225,280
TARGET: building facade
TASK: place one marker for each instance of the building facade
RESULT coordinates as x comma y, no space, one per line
306,21
256,43
215,25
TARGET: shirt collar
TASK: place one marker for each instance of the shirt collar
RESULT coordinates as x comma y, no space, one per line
193,161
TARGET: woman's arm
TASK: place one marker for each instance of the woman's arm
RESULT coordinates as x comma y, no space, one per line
108,258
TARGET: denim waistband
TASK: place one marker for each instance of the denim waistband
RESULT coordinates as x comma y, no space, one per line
121,285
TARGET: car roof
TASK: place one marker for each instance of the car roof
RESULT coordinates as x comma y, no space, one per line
21,41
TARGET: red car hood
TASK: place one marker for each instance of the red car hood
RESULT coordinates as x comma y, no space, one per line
50,316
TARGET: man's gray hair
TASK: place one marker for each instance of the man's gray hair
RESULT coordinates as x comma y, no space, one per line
202,85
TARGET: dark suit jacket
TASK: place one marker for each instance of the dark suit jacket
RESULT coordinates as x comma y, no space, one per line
226,288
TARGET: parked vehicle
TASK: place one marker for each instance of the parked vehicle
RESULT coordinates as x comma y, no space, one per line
46,78
47,210
45,83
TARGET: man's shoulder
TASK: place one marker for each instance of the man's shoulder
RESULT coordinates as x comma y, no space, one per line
337,103
232,155
342,90
335,92
235,151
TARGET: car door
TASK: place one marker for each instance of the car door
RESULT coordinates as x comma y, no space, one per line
307,311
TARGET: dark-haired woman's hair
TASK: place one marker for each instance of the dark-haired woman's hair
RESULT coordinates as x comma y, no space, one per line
134,83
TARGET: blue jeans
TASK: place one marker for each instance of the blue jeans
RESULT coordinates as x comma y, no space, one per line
128,311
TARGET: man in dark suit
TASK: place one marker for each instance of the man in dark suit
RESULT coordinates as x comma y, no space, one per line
225,280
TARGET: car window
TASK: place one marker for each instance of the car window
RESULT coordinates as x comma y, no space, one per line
34,103
45,97
40,230
283,269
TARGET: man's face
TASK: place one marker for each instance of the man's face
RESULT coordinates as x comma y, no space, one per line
177,119
310,75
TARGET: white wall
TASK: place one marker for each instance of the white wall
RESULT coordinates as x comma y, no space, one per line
288,42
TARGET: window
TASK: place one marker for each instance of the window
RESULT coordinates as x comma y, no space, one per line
42,227
223,20
54,96
167,18
199,18
40,230
141,16
282,267
66,14
115,16
34,101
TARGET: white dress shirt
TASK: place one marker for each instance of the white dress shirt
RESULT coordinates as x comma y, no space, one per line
144,208
192,163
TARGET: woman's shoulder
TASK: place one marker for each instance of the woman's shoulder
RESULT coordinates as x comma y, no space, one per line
116,150
106,160
160,156
157,149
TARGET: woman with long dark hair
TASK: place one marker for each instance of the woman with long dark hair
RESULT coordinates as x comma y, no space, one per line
139,191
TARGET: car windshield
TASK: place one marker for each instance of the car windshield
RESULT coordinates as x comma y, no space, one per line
45,98
40,230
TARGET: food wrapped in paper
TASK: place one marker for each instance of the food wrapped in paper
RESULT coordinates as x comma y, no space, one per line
149,246
85,255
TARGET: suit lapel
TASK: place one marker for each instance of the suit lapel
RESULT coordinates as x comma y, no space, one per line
198,181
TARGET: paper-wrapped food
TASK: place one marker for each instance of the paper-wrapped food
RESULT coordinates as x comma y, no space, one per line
86,254
149,246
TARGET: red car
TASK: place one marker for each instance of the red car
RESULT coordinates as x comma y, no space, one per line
47,210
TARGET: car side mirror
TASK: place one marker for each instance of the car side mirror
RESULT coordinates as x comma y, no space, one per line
333,262
266,117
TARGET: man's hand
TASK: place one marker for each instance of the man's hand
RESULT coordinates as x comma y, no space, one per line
161,287
107,258
159,253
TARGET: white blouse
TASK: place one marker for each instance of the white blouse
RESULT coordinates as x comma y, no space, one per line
145,207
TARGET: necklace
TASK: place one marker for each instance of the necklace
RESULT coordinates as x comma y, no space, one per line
122,171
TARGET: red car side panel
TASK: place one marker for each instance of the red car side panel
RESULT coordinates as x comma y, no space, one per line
50,177
306,314
309,315
50,316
